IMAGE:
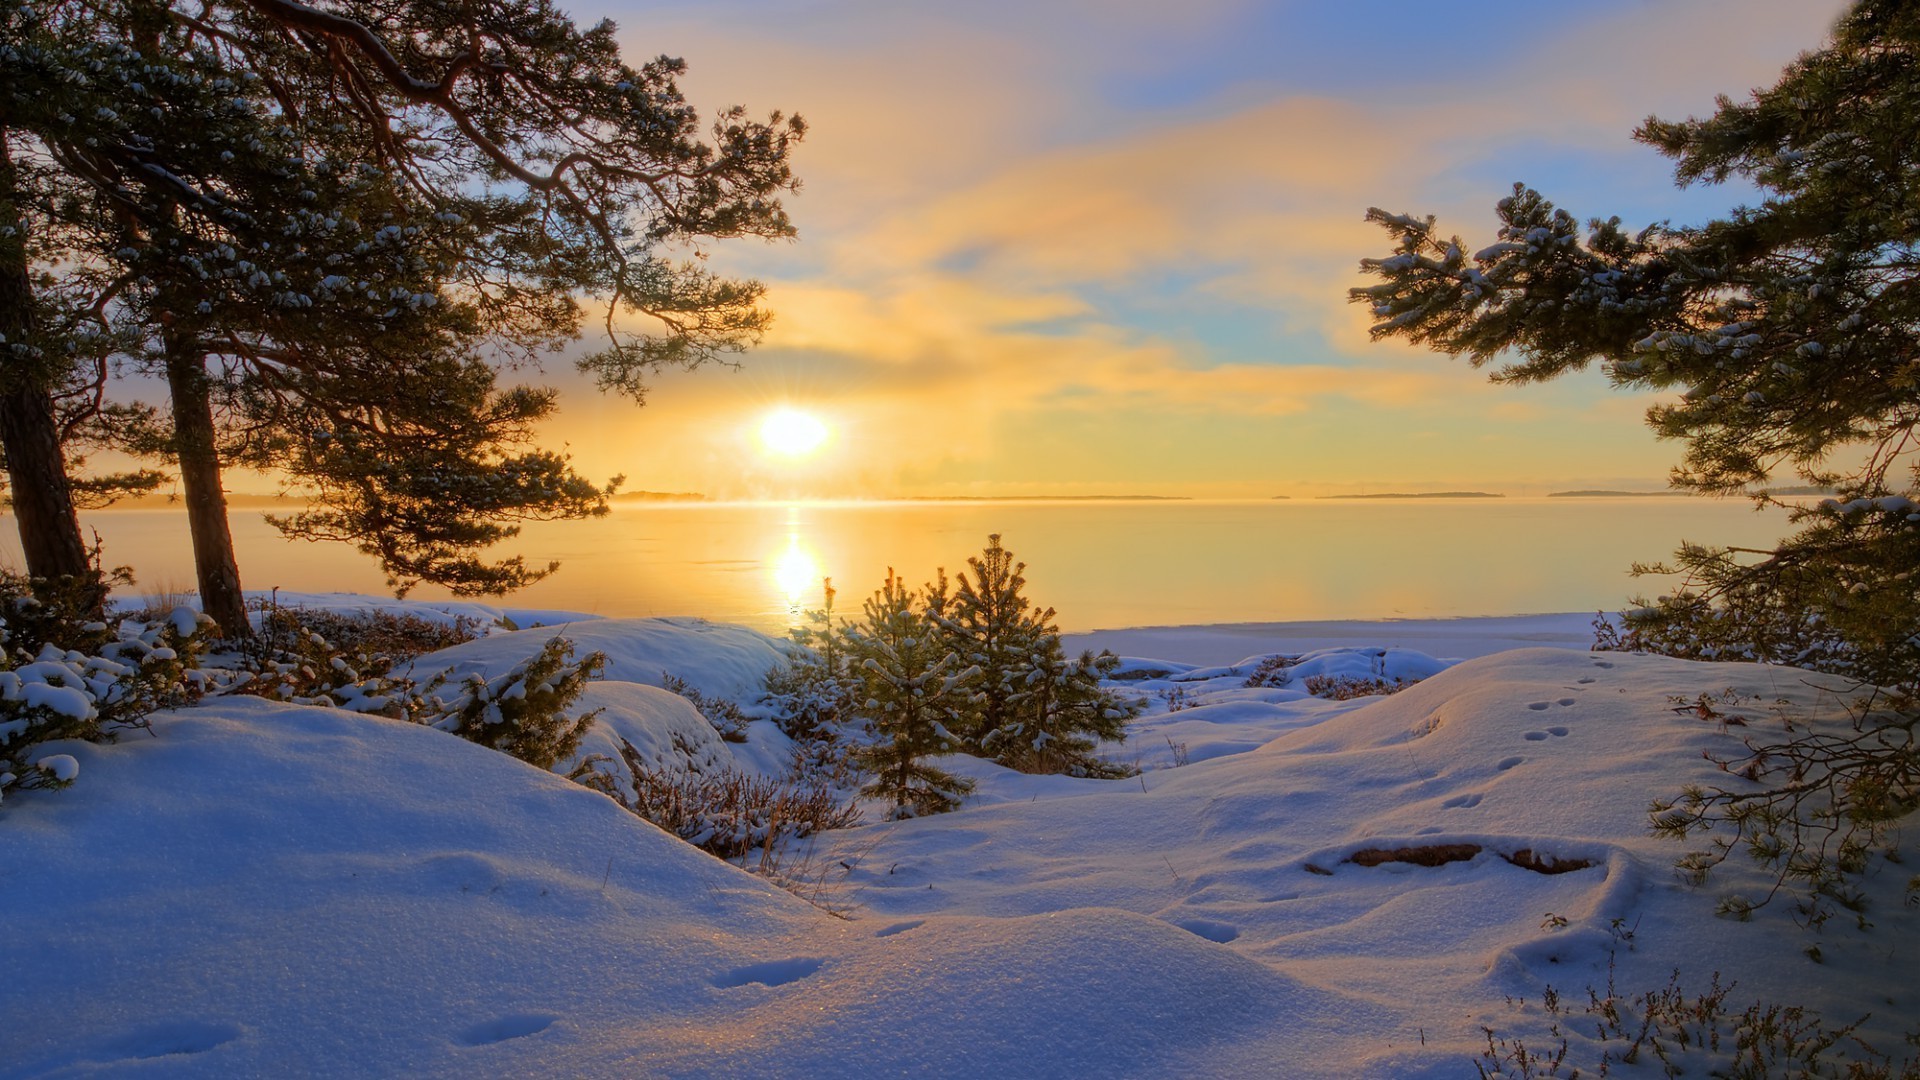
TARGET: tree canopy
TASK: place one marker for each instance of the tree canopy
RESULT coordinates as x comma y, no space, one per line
325,222
1789,329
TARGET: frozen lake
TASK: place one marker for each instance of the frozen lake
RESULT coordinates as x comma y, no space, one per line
1100,564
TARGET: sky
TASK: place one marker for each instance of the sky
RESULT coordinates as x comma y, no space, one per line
1081,247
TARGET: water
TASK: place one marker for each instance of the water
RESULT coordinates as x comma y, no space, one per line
1100,564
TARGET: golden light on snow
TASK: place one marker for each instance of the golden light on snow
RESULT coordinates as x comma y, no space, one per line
792,433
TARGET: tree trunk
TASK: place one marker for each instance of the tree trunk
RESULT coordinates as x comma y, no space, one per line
217,571
29,433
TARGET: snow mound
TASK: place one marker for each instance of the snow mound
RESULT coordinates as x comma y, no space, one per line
668,732
716,659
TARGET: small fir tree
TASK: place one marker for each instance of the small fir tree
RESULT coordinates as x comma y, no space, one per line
523,712
912,686
812,692
1060,713
1030,708
989,624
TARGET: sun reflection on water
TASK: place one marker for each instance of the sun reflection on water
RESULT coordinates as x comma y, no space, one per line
796,572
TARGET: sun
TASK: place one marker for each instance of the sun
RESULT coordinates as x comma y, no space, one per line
792,433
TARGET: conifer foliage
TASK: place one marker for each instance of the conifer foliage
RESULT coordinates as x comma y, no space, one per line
1029,707
1789,331
910,686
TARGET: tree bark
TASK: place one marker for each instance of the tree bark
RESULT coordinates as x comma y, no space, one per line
29,433
214,564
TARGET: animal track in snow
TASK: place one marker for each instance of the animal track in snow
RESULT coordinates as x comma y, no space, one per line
1463,802
1508,763
771,973
1535,736
1566,702
511,1026
1537,706
1585,679
1557,731
901,928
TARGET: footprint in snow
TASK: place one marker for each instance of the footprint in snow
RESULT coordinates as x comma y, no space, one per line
511,1026
1585,679
1462,802
1603,663
175,1037
1557,732
1538,706
1218,932
1535,736
771,973
900,928
1508,763
1566,702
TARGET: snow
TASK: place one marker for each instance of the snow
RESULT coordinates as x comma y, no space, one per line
259,884
714,658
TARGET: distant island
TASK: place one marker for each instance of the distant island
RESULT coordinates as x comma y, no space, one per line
659,496
1048,498
1803,489
1597,494
1422,495
236,500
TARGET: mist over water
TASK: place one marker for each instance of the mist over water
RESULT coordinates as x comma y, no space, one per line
1100,564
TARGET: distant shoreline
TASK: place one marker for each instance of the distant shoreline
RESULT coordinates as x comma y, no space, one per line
1421,495
1048,498
1664,493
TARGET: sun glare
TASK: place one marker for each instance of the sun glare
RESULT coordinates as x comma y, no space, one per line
792,433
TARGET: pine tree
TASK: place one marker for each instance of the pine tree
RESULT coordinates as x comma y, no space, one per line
989,624
1059,713
1030,707
1789,330
911,689
458,108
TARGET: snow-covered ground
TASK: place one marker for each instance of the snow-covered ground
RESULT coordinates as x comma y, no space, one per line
269,890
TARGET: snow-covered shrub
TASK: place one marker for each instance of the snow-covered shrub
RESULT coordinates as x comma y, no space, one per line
397,634
93,692
1275,670
523,712
724,715
810,695
1670,1033
288,660
728,813
1348,687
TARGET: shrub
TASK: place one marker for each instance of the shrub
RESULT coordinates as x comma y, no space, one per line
724,715
810,696
729,814
290,661
1684,1035
106,684
523,712
1348,687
